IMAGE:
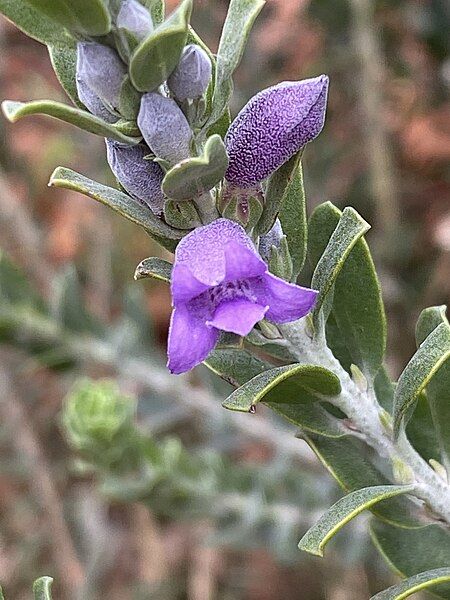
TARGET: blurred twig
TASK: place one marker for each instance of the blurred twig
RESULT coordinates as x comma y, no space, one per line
26,445
379,153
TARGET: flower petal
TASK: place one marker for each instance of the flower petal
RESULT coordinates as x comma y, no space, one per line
241,262
287,301
184,285
203,250
238,316
190,341
272,127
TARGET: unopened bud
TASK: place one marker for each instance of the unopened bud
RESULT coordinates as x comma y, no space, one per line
139,176
93,103
100,69
135,18
280,262
164,128
271,238
401,471
191,77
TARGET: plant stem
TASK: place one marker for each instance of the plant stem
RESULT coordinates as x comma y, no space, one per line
365,412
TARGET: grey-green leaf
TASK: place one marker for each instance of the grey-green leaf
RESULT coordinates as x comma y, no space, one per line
159,53
235,366
310,380
293,217
412,551
80,118
416,583
347,461
155,268
350,229
438,389
42,588
343,511
430,356
88,17
240,18
126,206
156,8
356,331
64,61
33,23
194,176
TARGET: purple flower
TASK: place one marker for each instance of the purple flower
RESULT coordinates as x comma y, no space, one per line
220,283
134,17
273,126
192,75
164,127
100,69
140,177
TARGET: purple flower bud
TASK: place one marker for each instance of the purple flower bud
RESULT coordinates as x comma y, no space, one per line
140,177
220,283
164,127
192,75
100,69
93,103
273,126
135,18
271,238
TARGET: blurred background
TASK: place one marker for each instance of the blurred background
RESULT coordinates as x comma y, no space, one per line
196,503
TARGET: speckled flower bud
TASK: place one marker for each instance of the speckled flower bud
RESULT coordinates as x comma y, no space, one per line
100,69
271,238
164,127
274,125
93,103
135,18
140,177
192,75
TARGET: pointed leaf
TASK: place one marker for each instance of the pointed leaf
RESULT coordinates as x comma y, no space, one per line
240,18
155,268
33,23
194,176
126,206
357,330
64,62
156,8
159,53
430,356
293,218
416,583
344,511
309,380
88,17
437,390
347,461
42,588
349,230
412,551
16,110
235,366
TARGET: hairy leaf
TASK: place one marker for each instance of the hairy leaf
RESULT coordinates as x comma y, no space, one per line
155,268
357,329
80,118
64,61
34,23
416,583
42,588
240,18
412,551
159,53
88,17
235,366
308,381
194,176
343,511
430,356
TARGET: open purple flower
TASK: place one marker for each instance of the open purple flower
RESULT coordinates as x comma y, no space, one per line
274,125
220,283
139,176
